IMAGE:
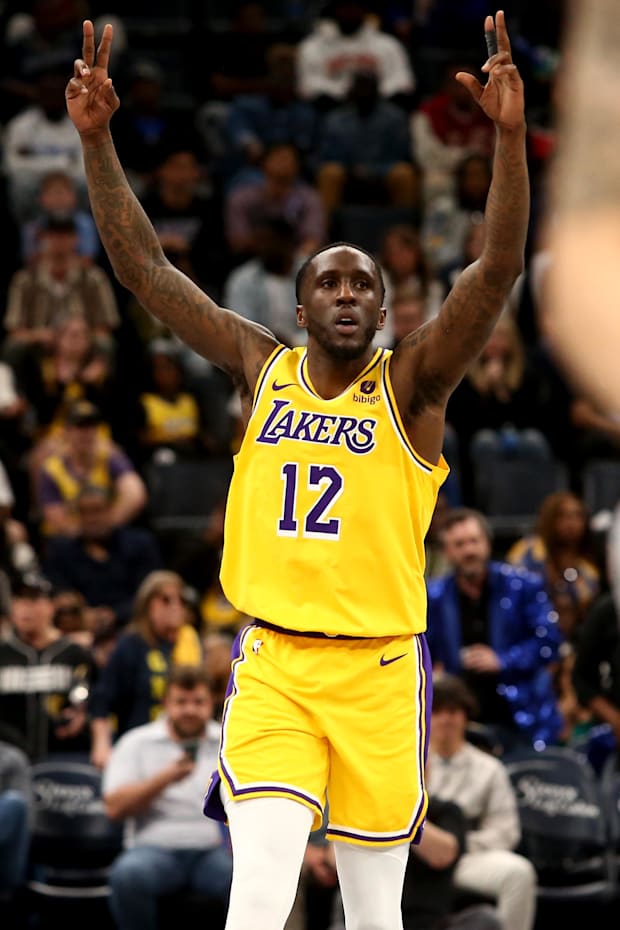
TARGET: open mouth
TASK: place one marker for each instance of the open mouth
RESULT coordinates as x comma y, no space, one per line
346,324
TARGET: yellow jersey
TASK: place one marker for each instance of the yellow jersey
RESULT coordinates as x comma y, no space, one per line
328,506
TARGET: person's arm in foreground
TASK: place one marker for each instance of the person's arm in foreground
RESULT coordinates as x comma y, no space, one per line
229,341
428,364
581,316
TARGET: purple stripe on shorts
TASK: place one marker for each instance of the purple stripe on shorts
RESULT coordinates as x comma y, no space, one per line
425,700
212,806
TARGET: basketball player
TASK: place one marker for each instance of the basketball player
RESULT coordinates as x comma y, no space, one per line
333,491
584,220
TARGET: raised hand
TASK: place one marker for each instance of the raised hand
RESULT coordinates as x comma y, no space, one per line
501,97
91,98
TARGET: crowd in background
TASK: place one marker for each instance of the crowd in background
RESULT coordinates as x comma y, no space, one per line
254,133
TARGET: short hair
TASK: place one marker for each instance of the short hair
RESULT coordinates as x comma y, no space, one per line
461,514
301,274
450,691
187,677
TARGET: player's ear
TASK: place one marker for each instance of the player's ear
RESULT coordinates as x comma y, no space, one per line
382,316
301,316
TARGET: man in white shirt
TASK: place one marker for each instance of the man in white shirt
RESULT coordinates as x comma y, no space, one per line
479,784
155,782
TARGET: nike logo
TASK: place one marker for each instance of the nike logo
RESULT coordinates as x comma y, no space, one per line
280,387
384,661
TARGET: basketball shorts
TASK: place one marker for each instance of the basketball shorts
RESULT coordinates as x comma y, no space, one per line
323,719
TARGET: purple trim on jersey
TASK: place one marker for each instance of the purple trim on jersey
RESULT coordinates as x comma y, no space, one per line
268,367
371,364
397,426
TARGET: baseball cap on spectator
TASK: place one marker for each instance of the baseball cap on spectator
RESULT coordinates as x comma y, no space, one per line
83,413
31,584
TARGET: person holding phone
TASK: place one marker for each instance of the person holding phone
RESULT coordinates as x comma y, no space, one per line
154,776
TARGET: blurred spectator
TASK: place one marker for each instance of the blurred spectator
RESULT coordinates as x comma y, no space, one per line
494,625
217,655
596,430
38,140
448,219
57,286
145,125
70,617
436,562
104,562
58,197
561,550
596,672
131,685
151,781
87,459
16,553
257,122
279,194
344,43
470,250
238,55
405,268
74,367
479,784
263,288
446,128
48,35
364,150
44,677
186,213
407,311
15,805
171,415
495,410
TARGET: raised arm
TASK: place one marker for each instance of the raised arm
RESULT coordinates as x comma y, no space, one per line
229,341
429,363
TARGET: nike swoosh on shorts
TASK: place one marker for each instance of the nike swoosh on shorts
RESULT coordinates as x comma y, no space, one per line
384,661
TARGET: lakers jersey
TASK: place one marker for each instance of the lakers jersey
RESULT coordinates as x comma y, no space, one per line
328,507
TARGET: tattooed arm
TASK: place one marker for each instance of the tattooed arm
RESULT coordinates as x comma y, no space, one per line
227,339
581,315
428,364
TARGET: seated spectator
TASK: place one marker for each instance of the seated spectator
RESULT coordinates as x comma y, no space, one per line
494,625
44,677
342,44
170,413
364,150
39,139
405,268
561,551
131,684
258,122
495,410
74,367
238,54
86,459
263,288
279,194
435,561
478,783
15,805
448,219
145,124
151,782
446,128
407,312
56,287
105,563
185,212
58,197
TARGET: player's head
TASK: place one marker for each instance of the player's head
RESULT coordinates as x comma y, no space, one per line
340,294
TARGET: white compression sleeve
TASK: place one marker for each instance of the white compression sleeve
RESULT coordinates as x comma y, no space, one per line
371,883
269,837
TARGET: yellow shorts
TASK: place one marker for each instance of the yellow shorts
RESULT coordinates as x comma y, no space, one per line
315,718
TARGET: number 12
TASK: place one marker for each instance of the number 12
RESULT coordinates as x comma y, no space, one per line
324,478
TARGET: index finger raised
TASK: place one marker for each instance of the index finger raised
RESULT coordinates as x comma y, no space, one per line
88,43
103,52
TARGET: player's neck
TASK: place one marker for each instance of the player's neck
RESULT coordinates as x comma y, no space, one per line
331,376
